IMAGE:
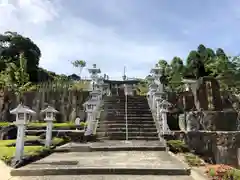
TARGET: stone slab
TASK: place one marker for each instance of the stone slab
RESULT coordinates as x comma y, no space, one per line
133,145
104,177
109,162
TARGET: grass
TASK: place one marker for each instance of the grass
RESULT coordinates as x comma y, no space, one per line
7,153
68,124
177,146
193,160
3,124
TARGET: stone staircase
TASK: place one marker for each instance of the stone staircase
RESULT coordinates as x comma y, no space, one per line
107,160
140,123
143,157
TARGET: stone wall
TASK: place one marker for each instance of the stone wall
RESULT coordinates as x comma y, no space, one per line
67,102
215,147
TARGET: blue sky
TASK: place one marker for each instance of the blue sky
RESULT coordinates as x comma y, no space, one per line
114,33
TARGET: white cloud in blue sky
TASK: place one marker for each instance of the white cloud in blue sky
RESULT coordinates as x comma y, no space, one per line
114,33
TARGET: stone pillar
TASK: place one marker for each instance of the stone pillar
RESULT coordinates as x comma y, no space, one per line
48,141
20,140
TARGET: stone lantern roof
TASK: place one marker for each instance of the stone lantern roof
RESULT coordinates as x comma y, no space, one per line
22,109
94,69
156,70
49,109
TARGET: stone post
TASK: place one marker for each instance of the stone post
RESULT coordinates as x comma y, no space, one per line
158,101
163,110
22,114
49,118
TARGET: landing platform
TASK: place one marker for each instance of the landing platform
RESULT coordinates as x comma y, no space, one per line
132,145
105,162
113,145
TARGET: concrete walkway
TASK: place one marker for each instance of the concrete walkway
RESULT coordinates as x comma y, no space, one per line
106,164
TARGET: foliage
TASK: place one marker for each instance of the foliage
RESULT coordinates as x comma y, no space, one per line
193,160
7,153
79,64
12,45
16,78
203,62
177,146
224,172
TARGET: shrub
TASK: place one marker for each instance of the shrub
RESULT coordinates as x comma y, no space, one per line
193,160
223,172
177,146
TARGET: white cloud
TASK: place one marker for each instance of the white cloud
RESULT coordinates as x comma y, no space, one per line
63,37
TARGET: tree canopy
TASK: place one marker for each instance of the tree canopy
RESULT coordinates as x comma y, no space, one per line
203,62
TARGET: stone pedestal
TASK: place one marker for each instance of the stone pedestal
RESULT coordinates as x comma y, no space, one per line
49,128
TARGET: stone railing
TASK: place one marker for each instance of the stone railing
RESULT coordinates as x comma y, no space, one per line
158,103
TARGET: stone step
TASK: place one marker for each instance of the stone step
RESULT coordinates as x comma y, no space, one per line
131,138
123,103
128,101
135,117
123,98
123,124
123,107
105,163
130,115
123,129
132,134
116,113
129,110
123,121
128,146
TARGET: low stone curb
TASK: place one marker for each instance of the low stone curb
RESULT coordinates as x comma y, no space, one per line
194,173
98,170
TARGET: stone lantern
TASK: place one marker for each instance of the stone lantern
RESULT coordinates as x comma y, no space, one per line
150,79
164,105
96,95
22,116
49,118
91,107
156,72
94,71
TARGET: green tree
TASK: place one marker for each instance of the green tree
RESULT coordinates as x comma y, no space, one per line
16,78
12,45
79,64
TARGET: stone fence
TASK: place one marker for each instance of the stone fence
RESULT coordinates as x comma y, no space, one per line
220,147
67,102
